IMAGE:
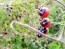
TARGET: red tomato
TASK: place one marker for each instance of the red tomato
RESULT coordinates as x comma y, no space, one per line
44,12
45,23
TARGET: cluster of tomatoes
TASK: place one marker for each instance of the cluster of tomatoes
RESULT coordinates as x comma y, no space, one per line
45,23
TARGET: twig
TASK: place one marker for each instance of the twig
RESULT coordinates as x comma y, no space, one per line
32,28
60,2
61,33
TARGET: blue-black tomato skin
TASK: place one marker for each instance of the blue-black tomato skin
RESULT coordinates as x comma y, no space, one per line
44,31
39,35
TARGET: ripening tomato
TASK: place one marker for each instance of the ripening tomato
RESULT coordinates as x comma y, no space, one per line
45,23
44,30
44,12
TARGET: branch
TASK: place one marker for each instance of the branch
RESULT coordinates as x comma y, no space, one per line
60,2
32,28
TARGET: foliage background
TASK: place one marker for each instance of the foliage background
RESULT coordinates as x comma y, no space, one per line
27,39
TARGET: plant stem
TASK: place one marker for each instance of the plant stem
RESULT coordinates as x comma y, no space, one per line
32,28
60,2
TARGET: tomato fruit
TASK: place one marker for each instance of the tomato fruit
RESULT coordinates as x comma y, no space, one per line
45,23
44,30
39,35
44,12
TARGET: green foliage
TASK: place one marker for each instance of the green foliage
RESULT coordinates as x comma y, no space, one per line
54,45
29,16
